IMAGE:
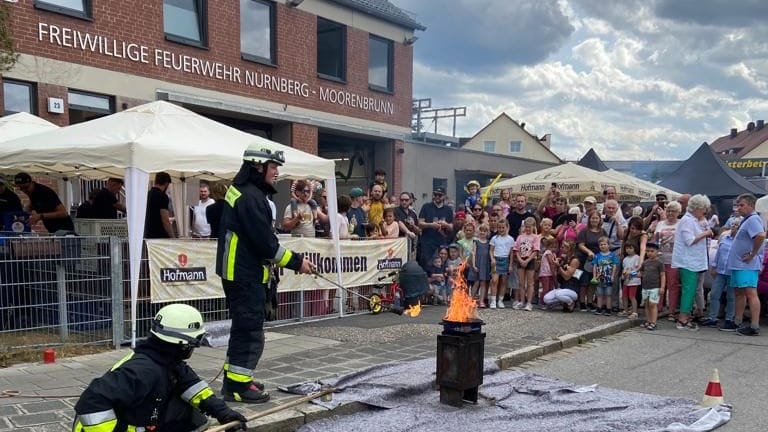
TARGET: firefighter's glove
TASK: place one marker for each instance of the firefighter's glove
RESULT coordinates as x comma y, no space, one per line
229,415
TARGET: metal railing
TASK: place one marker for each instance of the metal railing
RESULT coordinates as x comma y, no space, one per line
73,290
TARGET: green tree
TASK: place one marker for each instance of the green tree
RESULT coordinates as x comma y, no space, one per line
8,54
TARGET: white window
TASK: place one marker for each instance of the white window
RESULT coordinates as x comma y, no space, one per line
75,8
515,146
489,146
184,21
257,30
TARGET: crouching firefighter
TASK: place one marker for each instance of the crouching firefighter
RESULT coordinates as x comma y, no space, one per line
153,388
247,247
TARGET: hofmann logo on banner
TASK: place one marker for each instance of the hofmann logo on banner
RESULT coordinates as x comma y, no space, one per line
390,262
182,273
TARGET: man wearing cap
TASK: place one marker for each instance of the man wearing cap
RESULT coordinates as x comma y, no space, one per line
9,201
436,222
356,213
657,212
590,205
44,205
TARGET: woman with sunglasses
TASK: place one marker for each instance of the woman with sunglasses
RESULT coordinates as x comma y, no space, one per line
299,217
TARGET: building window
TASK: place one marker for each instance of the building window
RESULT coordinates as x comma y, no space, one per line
489,146
515,146
184,21
380,60
257,31
84,106
18,97
75,8
331,50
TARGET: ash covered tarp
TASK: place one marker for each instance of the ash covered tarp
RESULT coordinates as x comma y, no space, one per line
509,400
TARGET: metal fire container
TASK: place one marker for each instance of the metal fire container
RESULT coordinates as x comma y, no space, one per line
460,357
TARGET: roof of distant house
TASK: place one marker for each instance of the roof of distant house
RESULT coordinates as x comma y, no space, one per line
385,10
738,144
463,141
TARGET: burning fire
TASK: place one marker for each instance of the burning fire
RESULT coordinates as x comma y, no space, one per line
463,307
413,311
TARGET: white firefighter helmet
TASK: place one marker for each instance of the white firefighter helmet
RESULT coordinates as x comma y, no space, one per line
264,152
179,324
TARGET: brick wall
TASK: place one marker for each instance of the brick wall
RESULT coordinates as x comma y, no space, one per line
304,137
141,22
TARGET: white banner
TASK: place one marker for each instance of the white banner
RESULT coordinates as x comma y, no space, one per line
182,269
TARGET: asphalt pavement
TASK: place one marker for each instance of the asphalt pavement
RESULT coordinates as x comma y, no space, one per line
672,362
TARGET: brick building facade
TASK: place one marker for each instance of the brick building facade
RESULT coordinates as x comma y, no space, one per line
330,77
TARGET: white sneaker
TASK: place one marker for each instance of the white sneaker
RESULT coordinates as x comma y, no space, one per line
500,304
492,305
529,307
517,306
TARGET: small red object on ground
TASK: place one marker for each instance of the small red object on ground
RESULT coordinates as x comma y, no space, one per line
49,356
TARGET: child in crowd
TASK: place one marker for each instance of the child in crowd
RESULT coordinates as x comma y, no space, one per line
631,267
654,284
481,261
389,226
501,249
505,202
526,250
545,228
467,245
473,195
452,268
605,265
546,272
380,178
436,279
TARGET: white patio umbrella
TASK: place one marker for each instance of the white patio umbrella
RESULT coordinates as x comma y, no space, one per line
642,189
158,136
572,180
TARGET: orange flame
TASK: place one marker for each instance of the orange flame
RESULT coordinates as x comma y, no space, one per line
413,311
463,307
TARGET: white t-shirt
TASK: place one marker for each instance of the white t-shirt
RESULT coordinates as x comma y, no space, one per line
306,227
200,226
632,263
502,245
342,223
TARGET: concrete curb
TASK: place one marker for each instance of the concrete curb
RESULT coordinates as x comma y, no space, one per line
292,419
528,353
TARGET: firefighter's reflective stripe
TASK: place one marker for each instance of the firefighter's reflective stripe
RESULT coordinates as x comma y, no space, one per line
197,393
123,360
232,195
282,256
237,373
102,421
230,252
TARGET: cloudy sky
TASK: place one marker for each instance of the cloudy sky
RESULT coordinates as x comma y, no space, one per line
635,79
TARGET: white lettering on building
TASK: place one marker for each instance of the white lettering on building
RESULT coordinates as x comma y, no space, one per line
183,63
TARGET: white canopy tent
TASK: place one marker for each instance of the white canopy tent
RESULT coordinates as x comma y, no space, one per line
22,124
645,189
150,138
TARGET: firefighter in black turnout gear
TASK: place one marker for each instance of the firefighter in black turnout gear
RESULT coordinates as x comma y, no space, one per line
153,388
247,248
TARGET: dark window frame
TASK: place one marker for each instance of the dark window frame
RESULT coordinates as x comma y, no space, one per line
85,14
202,11
390,88
31,87
343,78
272,36
111,99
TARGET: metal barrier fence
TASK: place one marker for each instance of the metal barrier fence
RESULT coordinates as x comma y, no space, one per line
73,290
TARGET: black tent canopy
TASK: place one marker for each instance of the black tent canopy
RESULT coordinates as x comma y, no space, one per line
706,173
592,161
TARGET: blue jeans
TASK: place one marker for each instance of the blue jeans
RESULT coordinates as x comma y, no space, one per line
719,284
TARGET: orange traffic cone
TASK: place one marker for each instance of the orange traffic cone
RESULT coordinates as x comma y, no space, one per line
713,395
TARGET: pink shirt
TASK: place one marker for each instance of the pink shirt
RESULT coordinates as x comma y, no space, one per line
527,244
545,270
